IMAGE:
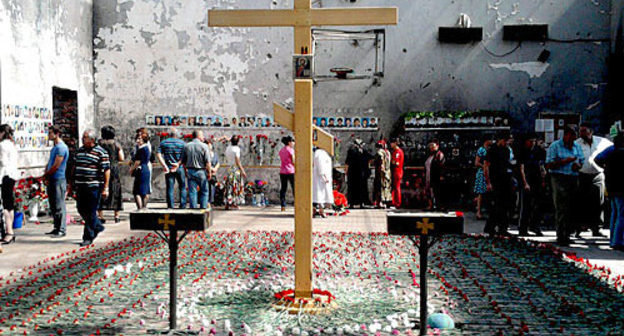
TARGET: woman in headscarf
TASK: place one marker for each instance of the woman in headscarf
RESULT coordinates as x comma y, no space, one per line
382,184
116,155
357,174
322,191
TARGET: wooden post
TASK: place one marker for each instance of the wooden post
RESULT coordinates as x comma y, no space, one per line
303,188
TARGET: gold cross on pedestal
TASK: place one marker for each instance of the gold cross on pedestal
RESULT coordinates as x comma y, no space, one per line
302,17
425,226
166,222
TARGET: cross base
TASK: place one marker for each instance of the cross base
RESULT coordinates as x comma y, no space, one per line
321,302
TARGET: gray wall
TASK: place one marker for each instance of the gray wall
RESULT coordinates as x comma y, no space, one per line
45,44
160,57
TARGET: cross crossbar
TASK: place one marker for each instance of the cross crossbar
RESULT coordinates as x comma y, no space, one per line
302,17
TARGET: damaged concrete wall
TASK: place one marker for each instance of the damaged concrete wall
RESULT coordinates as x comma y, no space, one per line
46,44
159,57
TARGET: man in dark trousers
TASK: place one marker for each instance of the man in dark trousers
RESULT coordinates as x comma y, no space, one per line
564,159
531,159
358,173
91,175
498,178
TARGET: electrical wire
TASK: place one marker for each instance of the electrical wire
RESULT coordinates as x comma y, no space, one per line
501,55
581,40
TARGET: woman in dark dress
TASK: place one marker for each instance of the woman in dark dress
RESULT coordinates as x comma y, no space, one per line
116,155
358,172
141,172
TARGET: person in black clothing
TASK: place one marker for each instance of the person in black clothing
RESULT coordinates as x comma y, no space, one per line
498,178
358,173
612,160
433,175
531,160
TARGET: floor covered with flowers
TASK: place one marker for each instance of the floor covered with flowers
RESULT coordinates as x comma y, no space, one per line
228,282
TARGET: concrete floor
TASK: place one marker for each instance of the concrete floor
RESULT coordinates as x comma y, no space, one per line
32,245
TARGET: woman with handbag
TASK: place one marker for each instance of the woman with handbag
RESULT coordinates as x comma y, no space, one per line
141,171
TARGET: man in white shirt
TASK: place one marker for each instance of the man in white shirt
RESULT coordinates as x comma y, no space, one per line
591,182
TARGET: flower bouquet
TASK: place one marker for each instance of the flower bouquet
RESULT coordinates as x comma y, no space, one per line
258,196
340,204
260,149
29,196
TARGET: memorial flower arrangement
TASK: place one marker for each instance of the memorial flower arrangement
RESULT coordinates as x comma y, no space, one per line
255,190
30,194
272,146
260,149
228,282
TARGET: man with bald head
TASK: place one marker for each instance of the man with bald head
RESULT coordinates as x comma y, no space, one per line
196,160
91,173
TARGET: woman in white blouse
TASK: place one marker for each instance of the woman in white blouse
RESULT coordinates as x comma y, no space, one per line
9,174
234,183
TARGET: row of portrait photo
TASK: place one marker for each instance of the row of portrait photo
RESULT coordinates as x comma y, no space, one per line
209,121
30,142
345,122
24,111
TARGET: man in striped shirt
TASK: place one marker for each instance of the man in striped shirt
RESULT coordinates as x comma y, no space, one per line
91,174
169,155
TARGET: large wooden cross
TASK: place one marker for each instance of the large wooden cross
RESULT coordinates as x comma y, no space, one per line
302,18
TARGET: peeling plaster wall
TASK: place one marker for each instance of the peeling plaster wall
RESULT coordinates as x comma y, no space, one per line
159,57
46,44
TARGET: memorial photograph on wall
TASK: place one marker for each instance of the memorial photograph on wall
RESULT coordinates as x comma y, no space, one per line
30,124
354,123
244,121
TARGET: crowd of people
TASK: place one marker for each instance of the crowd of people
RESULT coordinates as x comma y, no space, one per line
579,171
572,169
93,176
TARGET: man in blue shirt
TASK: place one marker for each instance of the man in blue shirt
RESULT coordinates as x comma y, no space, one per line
169,154
564,159
57,185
